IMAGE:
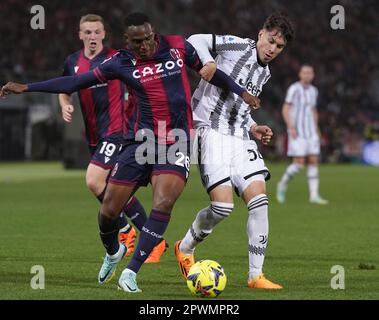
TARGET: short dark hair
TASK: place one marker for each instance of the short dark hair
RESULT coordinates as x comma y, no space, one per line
280,21
136,19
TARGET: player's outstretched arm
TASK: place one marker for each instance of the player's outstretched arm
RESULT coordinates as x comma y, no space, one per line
68,84
13,87
57,85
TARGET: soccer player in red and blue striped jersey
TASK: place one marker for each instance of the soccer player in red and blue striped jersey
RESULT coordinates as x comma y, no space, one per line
153,67
103,108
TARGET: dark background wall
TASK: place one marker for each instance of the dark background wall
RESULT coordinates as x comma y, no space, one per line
346,64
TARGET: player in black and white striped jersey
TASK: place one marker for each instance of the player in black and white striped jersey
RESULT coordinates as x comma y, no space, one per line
228,157
301,118
224,112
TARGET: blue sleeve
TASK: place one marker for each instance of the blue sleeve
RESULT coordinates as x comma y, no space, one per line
110,68
68,84
222,80
192,59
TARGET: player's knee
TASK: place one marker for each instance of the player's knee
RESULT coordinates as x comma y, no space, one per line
164,202
109,207
95,185
299,161
298,166
312,161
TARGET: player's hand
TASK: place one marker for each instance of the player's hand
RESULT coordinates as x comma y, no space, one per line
13,87
293,132
252,101
208,70
67,111
262,133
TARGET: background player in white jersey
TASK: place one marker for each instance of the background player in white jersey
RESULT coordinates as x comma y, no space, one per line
228,157
300,115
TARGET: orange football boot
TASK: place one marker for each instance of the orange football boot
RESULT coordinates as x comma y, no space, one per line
185,260
155,255
260,282
127,238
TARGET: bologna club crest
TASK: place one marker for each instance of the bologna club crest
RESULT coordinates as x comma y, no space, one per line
175,54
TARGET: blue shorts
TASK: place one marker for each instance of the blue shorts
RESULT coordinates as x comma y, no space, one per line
136,165
105,153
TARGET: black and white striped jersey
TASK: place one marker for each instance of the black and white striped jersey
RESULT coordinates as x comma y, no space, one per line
220,109
302,100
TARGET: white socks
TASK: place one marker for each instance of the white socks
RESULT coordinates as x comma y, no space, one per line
257,229
203,225
257,232
313,181
312,175
292,170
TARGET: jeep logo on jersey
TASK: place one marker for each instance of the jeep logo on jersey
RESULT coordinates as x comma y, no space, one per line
157,68
250,87
175,54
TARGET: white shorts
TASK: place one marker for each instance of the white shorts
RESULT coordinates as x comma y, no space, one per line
302,147
228,160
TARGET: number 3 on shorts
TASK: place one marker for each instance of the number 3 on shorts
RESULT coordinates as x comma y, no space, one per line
254,154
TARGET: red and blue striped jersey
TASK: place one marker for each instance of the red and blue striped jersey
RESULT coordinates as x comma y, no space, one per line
103,105
159,87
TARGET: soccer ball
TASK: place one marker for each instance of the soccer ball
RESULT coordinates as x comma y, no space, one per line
206,279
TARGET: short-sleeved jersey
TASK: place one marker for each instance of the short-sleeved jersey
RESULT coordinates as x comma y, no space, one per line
220,109
103,105
302,100
160,90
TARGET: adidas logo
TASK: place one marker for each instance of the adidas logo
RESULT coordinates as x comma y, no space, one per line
142,253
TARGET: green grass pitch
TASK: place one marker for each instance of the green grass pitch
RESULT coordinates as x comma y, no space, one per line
49,218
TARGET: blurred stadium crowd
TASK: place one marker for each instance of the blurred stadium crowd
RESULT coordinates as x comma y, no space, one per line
346,64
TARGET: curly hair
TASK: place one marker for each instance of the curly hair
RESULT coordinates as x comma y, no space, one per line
281,22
